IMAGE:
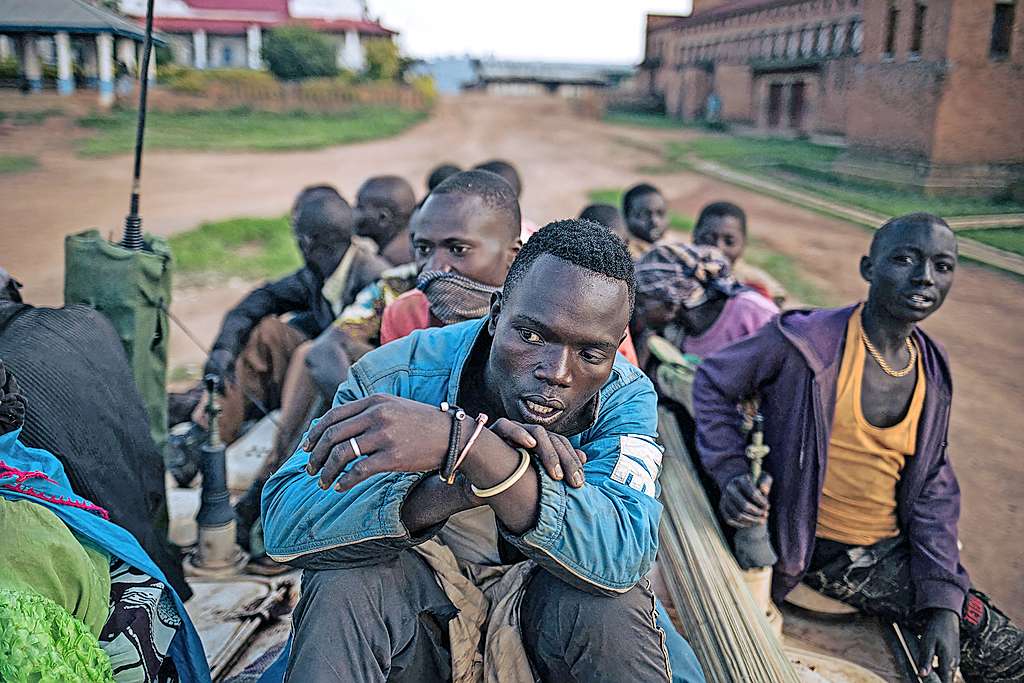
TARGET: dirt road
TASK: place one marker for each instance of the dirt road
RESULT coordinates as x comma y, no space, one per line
561,157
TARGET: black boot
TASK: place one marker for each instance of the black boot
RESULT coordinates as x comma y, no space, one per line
991,646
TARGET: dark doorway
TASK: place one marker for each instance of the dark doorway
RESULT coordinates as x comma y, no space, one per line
774,104
796,106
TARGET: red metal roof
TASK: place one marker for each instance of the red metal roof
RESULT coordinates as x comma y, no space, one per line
238,27
278,6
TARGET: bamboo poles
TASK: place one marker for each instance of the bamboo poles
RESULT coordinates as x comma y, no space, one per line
727,631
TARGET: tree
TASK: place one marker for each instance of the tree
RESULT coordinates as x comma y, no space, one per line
296,52
383,61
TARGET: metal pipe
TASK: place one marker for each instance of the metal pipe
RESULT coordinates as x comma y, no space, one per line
132,238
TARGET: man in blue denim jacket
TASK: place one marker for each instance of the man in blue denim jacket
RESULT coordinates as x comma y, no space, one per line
567,472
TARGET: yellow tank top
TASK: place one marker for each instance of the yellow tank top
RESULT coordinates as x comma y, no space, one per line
858,502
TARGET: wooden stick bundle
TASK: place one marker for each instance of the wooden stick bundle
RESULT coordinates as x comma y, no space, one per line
727,631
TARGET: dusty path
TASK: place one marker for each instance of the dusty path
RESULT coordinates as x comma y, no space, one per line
561,157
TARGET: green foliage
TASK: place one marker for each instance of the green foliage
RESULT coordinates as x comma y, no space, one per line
242,247
293,53
424,87
9,68
197,82
383,60
10,163
243,129
1009,239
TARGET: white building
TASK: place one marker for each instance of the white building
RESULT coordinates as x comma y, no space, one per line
228,33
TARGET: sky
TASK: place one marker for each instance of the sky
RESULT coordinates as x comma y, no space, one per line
602,31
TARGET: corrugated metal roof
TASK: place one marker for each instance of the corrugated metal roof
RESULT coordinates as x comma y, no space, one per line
72,16
549,72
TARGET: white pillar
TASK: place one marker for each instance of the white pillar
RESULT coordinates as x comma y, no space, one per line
151,75
105,57
254,43
199,49
6,49
33,69
65,79
126,55
352,55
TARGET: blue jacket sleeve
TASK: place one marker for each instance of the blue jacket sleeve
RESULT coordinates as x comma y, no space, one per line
604,536
315,529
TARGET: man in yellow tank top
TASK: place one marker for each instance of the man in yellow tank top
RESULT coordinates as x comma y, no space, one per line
863,500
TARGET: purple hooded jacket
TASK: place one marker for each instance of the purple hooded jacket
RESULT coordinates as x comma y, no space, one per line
792,364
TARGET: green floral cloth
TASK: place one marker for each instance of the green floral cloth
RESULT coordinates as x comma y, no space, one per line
40,642
42,556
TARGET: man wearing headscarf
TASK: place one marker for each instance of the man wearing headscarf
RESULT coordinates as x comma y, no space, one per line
688,294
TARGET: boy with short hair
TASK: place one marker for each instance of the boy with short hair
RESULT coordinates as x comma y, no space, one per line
255,345
646,216
564,473
724,225
384,205
608,216
508,172
864,503
439,174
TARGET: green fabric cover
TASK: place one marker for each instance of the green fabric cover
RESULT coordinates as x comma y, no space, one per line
676,370
43,557
41,643
133,289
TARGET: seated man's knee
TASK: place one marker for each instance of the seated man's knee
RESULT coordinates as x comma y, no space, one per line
573,635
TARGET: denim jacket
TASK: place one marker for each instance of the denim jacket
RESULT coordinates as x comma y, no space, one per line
601,537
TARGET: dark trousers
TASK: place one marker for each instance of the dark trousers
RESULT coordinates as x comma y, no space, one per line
259,372
876,580
388,622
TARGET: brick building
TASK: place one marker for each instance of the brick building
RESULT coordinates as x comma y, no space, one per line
937,85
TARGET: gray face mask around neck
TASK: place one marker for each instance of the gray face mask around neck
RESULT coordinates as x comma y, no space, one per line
454,298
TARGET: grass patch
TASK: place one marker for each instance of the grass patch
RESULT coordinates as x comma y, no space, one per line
780,266
243,129
644,120
1009,239
11,163
29,118
807,166
250,248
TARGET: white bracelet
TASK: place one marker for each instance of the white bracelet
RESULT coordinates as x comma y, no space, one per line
524,463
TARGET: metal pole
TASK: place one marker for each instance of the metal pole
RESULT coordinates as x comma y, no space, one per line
132,238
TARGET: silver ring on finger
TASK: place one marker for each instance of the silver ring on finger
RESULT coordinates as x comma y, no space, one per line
355,447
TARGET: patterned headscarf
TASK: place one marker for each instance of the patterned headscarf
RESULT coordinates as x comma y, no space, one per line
684,274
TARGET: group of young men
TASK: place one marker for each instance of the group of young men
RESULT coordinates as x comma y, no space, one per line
481,498
467,460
